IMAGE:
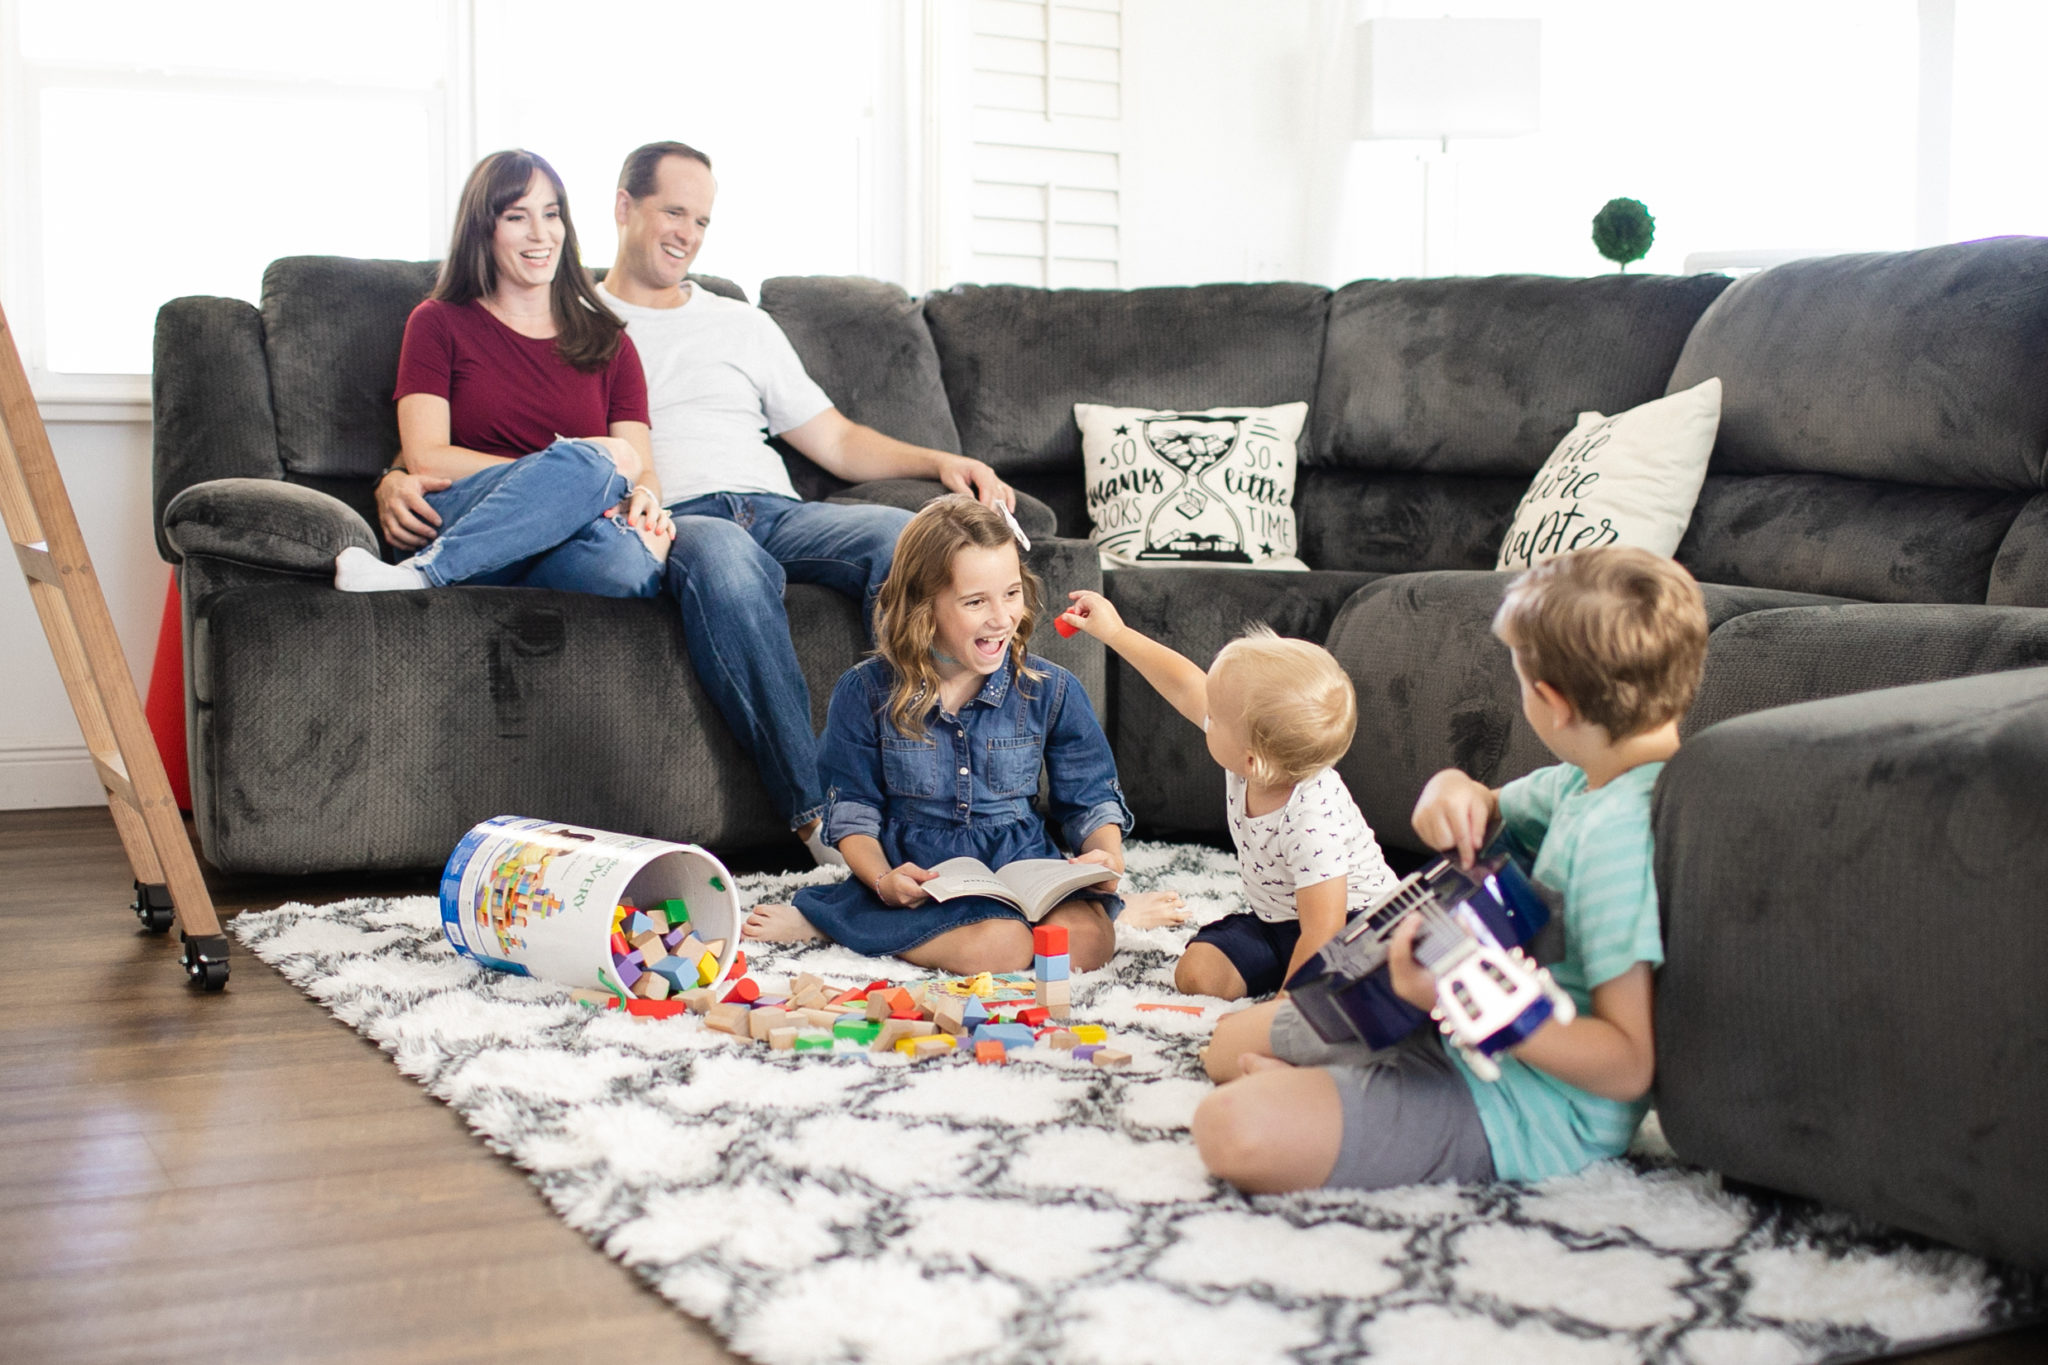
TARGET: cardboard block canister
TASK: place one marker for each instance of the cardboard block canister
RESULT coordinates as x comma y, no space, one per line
536,897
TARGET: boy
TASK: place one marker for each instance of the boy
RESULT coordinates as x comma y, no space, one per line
1608,646
1278,714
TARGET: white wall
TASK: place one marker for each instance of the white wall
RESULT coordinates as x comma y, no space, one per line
42,755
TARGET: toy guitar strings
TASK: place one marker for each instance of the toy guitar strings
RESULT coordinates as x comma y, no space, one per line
1490,994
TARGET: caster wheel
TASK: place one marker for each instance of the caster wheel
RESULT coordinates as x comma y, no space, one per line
206,962
152,905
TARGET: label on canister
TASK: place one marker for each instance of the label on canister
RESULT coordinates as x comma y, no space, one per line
538,897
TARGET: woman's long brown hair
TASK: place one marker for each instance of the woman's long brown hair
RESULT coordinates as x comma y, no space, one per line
586,332
906,624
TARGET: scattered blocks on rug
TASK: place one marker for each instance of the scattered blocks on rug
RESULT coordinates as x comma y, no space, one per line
989,1053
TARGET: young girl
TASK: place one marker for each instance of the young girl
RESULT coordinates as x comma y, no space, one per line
1278,714
932,750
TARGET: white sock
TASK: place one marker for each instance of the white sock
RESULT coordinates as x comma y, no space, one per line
357,570
822,853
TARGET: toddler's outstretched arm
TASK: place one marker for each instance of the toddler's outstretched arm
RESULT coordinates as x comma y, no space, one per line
1173,676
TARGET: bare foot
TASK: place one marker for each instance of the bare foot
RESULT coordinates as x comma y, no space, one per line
1259,1061
778,924
1153,910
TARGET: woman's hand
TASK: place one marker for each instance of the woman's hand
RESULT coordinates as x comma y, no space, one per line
644,513
1103,857
903,886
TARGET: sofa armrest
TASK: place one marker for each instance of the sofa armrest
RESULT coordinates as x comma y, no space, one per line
264,524
210,405
910,494
1850,1003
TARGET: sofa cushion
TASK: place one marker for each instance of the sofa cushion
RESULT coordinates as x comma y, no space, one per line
1485,376
1849,1007
1172,784
209,401
1016,360
1914,366
265,523
866,344
1880,542
1796,654
333,327
2019,576
1403,523
1436,689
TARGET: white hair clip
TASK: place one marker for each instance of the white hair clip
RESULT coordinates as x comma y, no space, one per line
1023,541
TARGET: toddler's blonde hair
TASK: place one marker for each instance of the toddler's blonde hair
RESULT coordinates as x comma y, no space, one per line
1300,710
1619,632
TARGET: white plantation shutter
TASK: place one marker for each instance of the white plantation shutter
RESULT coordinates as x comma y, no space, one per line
1045,156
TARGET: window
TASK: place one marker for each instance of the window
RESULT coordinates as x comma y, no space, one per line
162,150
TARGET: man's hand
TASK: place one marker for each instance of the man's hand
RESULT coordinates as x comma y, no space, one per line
903,886
1411,980
408,520
1453,812
975,479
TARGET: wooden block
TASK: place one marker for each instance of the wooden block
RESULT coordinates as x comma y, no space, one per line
739,965
692,949
878,1007
894,1031
1049,940
805,984
600,1000
932,1045
707,969
950,1014
728,1019
1062,1039
1086,1052
700,1000
715,947
655,1009
818,1018
1053,998
651,949
1195,1010
1090,1033
1034,1016
761,1023
990,1053
783,1039
1109,1059
813,1040
745,991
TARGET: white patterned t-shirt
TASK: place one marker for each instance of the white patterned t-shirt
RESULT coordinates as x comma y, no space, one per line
1319,834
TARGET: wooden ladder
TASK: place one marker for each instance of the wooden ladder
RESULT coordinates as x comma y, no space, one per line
74,613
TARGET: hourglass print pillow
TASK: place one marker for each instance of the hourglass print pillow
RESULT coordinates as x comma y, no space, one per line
1214,487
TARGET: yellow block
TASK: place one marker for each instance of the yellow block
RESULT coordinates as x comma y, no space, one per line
707,969
1090,1033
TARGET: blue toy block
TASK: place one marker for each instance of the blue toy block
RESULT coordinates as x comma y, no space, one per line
1011,1036
681,975
638,924
974,1012
1051,968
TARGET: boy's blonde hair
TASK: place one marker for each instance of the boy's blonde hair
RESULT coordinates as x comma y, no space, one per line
1299,707
906,623
1619,632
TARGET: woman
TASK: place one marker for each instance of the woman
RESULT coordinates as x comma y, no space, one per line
517,385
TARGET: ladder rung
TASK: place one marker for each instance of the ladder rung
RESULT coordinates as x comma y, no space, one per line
114,777
36,562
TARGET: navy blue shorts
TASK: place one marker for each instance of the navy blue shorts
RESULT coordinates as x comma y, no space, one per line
1259,949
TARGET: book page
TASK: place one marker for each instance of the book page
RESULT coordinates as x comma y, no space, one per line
1040,884
968,877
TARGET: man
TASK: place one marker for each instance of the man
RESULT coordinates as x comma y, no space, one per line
722,378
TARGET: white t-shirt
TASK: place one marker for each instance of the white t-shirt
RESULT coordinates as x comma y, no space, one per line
1319,834
721,379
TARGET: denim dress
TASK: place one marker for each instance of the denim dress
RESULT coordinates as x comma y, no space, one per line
963,789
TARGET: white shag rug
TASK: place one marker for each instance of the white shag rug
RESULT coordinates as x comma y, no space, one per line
825,1208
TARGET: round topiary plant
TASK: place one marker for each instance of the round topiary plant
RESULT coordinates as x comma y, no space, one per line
1623,230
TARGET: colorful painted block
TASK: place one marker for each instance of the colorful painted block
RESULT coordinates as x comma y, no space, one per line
990,1053
1009,1035
813,1040
1090,1033
859,1030
1087,1051
973,1013
744,992
1056,968
656,1009
1049,940
628,971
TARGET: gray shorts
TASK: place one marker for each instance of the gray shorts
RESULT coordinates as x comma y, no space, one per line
1408,1115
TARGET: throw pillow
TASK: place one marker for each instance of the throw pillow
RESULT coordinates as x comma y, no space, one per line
1630,479
1214,487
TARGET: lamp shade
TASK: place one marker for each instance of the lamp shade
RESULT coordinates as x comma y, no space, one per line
1438,78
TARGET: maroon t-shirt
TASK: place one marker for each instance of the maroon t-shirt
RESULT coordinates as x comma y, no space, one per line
510,394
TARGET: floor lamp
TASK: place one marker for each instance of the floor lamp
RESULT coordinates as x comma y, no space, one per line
1436,79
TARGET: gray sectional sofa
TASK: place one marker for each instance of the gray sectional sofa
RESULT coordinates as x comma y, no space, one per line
1852,847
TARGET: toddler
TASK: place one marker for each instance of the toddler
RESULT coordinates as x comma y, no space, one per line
932,750
1608,645
1278,714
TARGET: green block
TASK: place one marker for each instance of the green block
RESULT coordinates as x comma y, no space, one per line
717,882
862,1031
814,1040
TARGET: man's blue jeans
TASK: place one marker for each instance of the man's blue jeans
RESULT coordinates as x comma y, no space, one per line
540,522
733,554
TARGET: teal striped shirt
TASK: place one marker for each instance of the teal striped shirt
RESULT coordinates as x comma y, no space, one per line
1594,847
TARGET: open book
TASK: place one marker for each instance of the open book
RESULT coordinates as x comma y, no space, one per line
1033,885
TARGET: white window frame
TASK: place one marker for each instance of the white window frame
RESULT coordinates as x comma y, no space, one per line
98,397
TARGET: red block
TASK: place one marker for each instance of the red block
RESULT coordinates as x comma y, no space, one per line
990,1053
739,966
743,992
1066,628
1034,1016
657,1009
1049,940
619,945
901,1006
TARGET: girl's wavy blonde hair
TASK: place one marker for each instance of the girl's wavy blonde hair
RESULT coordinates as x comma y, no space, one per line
906,622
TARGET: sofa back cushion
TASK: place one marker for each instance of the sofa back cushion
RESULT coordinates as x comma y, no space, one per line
1485,376
866,344
1403,523
1016,360
332,326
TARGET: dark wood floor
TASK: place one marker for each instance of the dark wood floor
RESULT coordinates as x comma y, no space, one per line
238,1177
